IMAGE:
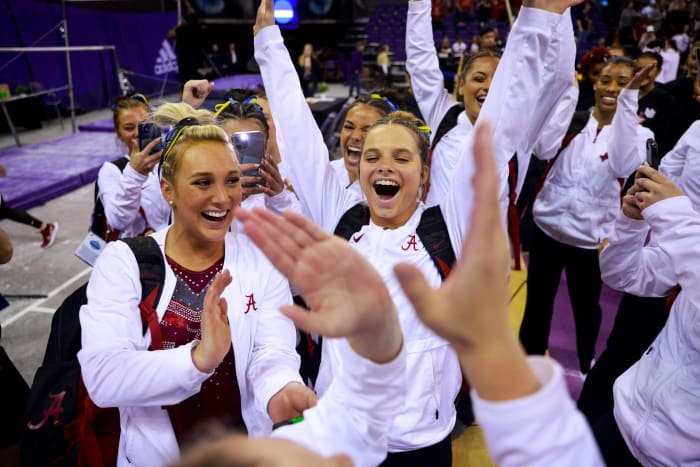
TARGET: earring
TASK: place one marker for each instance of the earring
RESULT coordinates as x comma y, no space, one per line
170,202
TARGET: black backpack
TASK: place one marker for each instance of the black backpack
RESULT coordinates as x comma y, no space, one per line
61,425
99,221
431,230
448,122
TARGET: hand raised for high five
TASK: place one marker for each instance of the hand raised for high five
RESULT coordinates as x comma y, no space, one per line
265,16
216,333
347,297
470,310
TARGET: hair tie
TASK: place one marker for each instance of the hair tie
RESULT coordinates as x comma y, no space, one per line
425,131
173,136
138,97
388,102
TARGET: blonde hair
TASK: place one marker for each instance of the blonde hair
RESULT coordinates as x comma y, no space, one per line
412,123
202,127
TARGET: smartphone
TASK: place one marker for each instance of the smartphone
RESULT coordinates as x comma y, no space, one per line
148,131
653,158
250,148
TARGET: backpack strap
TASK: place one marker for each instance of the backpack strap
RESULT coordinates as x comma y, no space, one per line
352,221
433,234
99,220
578,123
513,218
448,122
152,276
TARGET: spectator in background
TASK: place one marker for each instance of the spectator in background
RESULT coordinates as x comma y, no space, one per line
648,36
671,58
231,61
686,90
465,11
474,48
384,66
653,15
656,105
590,67
355,68
309,70
459,47
488,38
628,18
584,24
438,12
682,40
216,60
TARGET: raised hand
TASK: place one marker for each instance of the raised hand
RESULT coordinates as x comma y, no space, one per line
653,187
290,402
216,333
347,297
470,310
196,91
640,77
143,161
265,16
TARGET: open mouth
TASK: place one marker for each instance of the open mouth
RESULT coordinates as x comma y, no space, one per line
481,99
353,153
215,216
386,189
608,100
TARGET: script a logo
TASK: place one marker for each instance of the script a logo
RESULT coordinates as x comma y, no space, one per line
166,61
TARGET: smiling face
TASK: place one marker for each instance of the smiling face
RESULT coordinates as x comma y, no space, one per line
391,173
475,87
204,192
352,136
128,124
612,80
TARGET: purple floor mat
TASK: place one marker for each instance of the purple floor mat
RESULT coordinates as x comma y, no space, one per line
38,173
562,337
106,125
245,81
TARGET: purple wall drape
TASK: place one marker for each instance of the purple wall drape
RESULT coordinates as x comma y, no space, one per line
138,38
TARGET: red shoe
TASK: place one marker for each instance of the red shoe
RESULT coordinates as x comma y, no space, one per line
49,233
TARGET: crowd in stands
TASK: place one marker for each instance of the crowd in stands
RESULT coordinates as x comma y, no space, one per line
384,273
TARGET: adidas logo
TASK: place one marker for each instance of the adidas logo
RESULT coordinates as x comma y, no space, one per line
166,62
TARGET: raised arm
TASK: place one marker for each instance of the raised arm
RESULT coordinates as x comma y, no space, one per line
627,144
676,226
552,135
306,158
422,64
531,59
626,263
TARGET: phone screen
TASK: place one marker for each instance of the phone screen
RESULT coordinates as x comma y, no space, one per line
148,131
250,149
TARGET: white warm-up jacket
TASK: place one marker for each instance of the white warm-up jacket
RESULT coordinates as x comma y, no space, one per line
517,114
123,193
682,164
354,415
119,371
657,400
540,430
581,194
433,372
